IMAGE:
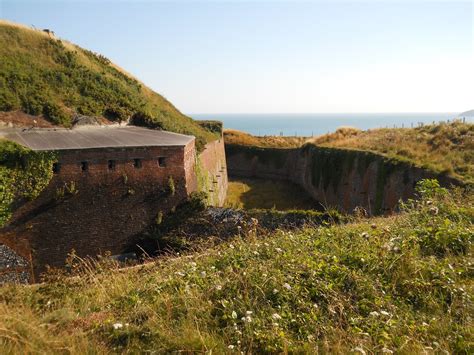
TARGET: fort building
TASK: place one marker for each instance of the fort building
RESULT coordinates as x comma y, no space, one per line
116,181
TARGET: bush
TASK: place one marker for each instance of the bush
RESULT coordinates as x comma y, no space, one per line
56,114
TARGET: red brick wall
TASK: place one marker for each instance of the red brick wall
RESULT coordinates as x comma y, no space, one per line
108,208
214,172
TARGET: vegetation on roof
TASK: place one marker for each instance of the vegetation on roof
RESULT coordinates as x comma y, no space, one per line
395,284
43,75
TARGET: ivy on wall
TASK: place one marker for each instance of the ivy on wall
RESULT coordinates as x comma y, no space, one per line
24,174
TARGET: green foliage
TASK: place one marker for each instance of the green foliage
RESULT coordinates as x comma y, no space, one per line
440,232
23,174
171,186
212,126
368,285
40,75
194,204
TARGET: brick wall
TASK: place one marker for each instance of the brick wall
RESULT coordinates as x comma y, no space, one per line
99,201
213,172
337,178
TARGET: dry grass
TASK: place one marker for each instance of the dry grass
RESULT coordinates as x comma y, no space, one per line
445,148
402,284
242,138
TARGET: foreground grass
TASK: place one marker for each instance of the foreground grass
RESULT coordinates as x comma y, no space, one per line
260,193
401,283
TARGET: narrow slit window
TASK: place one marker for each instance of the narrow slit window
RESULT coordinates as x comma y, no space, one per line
84,165
111,164
162,162
137,163
56,168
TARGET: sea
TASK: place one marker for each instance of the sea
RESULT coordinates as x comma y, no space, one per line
312,124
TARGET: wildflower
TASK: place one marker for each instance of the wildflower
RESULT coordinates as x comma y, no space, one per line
218,287
434,210
203,274
364,235
384,313
117,326
231,246
256,253
231,346
275,291
387,351
374,314
234,315
279,250
287,286
248,313
276,316
179,273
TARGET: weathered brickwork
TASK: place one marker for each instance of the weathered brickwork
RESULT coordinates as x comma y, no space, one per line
99,201
214,172
335,177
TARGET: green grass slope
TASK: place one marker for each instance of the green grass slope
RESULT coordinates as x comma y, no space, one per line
43,75
400,284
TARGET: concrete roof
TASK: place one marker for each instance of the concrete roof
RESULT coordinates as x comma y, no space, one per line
41,139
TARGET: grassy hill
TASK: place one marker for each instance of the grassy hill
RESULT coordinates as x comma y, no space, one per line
400,284
43,75
444,148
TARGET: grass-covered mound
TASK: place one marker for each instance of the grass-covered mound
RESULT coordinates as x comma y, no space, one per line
445,148
402,283
43,75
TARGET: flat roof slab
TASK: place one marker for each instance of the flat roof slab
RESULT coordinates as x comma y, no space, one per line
50,139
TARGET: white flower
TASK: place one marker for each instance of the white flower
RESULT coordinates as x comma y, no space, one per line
276,316
248,313
117,326
279,250
203,274
374,314
231,346
364,235
234,315
387,351
384,313
287,286
231,246
247,319
275,291
218,287
179,273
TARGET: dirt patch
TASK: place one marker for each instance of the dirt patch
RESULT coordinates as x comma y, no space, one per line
21,119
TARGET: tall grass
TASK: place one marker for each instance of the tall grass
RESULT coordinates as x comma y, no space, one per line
396,284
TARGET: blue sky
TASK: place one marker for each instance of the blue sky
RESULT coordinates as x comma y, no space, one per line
285,56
